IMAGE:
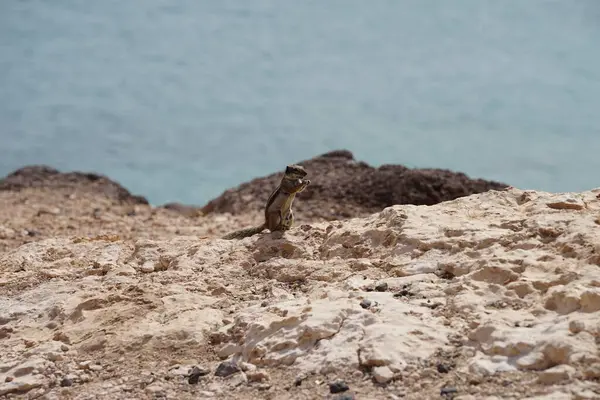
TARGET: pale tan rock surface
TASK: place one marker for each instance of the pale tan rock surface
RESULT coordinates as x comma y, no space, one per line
491,296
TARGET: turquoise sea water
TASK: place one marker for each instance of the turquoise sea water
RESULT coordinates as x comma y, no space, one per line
179,100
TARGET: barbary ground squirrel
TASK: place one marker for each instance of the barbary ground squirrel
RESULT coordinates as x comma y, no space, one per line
278,211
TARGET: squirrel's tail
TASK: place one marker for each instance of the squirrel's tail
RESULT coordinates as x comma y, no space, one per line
242,233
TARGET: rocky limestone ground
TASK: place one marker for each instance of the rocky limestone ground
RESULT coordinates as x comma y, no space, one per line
491,296
39,202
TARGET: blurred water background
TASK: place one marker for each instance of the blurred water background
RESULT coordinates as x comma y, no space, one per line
179,100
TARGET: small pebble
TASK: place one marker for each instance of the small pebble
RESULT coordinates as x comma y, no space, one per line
147,267
402,293
448,391
381,287
195,374
442,368
226,368
52,356
382,374
365,303
576,326
338,387
65,382
245,366
51,325
263,386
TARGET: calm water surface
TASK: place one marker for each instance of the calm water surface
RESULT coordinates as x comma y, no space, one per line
181,100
